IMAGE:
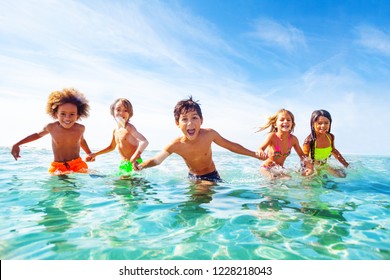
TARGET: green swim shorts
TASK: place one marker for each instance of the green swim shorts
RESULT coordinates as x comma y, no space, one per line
126,167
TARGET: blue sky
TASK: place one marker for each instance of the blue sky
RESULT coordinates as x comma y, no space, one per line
243,60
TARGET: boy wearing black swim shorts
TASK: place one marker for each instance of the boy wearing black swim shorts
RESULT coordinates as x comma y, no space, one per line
194,146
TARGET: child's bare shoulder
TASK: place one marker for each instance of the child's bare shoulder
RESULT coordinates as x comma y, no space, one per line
130,127
270,136
307,140
51,126
331,135
177,140
79,126
208,131
173,147
294,139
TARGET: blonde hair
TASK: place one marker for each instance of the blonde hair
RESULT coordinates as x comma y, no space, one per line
67,95
272,121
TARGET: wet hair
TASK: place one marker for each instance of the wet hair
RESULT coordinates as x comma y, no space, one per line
67,95
272,121
187,105
126,103
313,137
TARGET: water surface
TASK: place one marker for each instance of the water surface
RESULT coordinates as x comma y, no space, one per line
160,215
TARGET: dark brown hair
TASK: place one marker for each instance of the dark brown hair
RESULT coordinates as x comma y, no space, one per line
185,106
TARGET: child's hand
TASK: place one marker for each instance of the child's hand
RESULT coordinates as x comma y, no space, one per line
136,166
261,154
307,166
90,157
15,152
135,157
308,171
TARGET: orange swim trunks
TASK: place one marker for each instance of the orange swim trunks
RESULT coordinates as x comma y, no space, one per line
75,165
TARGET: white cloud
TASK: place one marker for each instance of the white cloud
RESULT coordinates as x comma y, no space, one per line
374,39
272,33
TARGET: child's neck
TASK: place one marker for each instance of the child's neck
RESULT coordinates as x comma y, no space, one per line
122,126
320,135
283,134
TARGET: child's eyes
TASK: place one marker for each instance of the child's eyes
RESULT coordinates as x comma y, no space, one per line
64,114
186,119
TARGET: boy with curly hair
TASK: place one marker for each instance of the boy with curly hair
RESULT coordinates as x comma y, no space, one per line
67,107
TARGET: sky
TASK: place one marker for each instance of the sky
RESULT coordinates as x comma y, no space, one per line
243,61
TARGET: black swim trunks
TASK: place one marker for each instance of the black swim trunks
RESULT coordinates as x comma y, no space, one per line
212,177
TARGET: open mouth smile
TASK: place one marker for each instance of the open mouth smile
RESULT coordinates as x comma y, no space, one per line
191,132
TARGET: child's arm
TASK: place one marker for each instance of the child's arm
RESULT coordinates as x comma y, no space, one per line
337,154
156,160
160,157
340,158
234,147
15,151
261,151
142,144
306,146
305,161
85,147
111,147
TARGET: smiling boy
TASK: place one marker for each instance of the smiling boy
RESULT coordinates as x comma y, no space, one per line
67,106
194,146
126,137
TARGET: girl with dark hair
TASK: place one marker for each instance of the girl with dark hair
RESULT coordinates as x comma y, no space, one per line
319,145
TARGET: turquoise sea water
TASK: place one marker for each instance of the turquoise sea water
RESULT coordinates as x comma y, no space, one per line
160,215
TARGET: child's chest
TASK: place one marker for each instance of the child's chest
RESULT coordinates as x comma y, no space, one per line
322,142
121,133
69,136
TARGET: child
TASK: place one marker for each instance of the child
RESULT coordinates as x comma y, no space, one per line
194,146
67,106
319,145
279,143
130,142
